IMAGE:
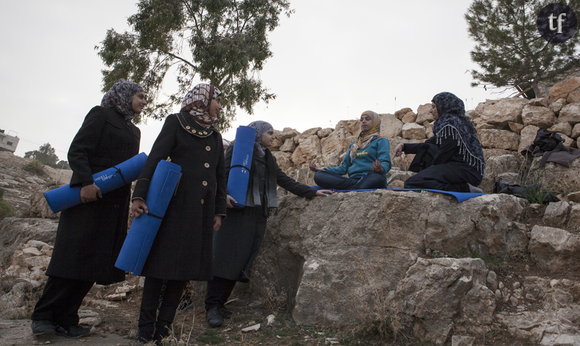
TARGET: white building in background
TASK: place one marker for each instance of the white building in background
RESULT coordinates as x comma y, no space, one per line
8,142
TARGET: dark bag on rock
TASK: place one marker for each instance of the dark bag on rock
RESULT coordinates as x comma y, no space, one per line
502,186
547,140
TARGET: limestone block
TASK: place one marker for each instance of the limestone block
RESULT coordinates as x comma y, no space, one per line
424,114
391,127
410,117
570,114
284,160
306,151
541,117
351,126
557,106
308,133
563,128
563,89
413,131
539,102
504,111
573,96
499,139
568,142
333,147
436,294
556,214
288,133
575,131
527,136
324,132
515,127
401,112
288,146
574,217
555,249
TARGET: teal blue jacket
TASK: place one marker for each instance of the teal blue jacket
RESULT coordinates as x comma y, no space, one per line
378,149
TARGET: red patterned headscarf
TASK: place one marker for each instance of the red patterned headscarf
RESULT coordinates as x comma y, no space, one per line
197,102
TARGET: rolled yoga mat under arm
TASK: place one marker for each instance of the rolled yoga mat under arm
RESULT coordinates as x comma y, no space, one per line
144,228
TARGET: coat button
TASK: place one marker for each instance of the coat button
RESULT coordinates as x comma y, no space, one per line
208,148
206,165
204,183
202,201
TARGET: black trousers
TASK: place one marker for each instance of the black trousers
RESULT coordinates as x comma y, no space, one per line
451,176
218,292
61,300
160,301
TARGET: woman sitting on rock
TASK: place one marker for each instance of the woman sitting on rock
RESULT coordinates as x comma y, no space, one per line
366,162
451,160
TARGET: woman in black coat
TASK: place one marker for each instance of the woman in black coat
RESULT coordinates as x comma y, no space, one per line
451,160
238,242
182,249
90,235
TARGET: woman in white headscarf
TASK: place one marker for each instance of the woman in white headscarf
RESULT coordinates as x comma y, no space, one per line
237,243
366,162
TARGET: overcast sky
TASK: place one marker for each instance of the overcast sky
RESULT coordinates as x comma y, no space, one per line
333,59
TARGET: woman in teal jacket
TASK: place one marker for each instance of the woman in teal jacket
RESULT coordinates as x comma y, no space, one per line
366,162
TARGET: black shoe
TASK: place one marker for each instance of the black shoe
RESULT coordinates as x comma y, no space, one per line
213,317
225,312
42,326
72,332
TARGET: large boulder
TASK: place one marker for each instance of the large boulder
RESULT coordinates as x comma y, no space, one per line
333,148
414,131
313,249
424,114
499,139
503,111
391,127
555,249
439,295
527,136
538,116
308,148
570,114
563,89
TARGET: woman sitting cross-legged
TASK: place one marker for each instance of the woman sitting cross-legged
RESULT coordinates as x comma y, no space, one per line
451,160
366,162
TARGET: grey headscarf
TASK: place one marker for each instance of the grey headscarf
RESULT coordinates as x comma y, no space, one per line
261,128
120,97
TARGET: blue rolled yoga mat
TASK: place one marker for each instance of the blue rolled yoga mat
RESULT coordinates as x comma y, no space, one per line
108,180
144,228
241,165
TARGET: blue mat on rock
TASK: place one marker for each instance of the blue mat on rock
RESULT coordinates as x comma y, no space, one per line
461,196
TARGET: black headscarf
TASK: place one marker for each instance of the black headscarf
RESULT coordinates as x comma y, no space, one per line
120,97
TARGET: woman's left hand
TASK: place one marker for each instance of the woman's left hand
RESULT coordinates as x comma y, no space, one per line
323,193
229,201
217,222
377,167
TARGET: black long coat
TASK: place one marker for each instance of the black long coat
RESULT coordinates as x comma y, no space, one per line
240,237
182,247
90,235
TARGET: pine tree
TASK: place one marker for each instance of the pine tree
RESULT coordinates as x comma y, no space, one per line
223,42
509,48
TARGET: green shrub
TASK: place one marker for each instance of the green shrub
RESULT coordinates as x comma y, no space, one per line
35,167
6,210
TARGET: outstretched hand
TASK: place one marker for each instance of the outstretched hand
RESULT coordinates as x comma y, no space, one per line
377,167
314,168
323,193
398,150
